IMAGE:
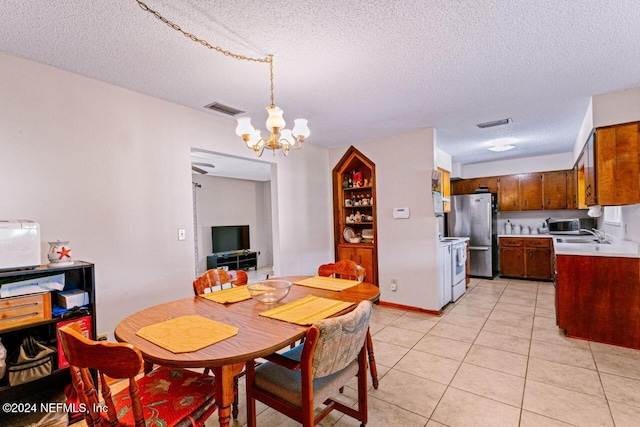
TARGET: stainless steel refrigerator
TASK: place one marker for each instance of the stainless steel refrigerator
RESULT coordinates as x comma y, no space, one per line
474,216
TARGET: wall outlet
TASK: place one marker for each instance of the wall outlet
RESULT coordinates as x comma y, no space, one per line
102,337
182,234
394,285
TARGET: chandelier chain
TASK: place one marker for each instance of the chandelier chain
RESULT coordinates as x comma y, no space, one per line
271,77
204,43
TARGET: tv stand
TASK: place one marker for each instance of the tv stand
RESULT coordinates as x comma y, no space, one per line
238,260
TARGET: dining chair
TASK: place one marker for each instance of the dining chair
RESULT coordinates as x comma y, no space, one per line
218,277
348,269
165,396
295,382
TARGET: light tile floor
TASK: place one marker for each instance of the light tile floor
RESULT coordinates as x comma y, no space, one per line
495,358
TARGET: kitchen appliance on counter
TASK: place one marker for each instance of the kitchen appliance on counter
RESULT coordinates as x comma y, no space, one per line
19,244
570,226
474,216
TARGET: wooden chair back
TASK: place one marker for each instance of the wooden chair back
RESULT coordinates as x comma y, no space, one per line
218,277
118,361
343,269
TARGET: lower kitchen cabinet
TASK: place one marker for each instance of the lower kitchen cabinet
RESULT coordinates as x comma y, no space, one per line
363,255
597,298
526,258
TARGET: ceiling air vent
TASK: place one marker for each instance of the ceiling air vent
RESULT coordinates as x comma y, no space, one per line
496,123
224,109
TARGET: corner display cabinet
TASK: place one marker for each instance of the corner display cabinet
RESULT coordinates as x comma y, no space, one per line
354,211
39,316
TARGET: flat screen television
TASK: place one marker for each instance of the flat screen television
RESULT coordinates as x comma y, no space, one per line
230,238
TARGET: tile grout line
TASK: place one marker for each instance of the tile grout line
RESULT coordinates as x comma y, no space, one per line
526,371
465,356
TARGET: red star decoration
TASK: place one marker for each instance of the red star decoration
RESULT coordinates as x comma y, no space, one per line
64,252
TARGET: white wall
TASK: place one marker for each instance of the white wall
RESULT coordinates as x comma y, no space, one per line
549,162
109,170
406,247
226,201
584,132
616,107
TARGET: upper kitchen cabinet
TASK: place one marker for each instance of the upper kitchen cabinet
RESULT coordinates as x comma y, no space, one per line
522,192
354,209
463,186
469,186
572,188
509,193
490,182
617,165
608,170
554,190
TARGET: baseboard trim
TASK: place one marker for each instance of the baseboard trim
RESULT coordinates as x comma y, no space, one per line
409,308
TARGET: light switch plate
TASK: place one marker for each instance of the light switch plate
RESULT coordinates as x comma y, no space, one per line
182,234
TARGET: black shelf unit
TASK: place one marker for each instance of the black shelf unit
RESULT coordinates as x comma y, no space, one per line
80,275
243,260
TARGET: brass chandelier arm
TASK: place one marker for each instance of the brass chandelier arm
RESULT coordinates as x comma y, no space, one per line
204,43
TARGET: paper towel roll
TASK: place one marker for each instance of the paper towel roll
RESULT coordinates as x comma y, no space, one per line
595,211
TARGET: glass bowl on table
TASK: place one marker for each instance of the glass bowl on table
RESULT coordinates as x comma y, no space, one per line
269,291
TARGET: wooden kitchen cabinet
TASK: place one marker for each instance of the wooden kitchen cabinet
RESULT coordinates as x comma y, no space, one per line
572,188
463,186
491,182
362,256
357,201
530,191
597,298
526,258
554,190
591,197
509,193
617,165
522,192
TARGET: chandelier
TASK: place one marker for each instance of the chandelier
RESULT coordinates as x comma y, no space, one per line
279,138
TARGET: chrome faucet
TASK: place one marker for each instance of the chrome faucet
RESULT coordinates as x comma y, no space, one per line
599,234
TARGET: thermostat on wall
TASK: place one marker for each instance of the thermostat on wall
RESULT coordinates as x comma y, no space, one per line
401,213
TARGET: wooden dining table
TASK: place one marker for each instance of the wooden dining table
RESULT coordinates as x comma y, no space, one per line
258,336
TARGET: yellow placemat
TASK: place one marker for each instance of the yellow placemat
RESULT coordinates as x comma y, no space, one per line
187,333
305,311
328,283
229,296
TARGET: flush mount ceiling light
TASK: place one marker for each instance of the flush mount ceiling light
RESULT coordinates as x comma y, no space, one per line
494,123
279,138
502,144
501,147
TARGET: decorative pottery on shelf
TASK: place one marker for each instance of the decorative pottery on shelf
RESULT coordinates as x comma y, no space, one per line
59,254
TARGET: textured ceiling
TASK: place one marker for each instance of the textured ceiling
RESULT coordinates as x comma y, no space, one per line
358,70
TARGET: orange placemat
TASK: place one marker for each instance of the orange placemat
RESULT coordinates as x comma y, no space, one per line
328,283
305,311
187,333
229,296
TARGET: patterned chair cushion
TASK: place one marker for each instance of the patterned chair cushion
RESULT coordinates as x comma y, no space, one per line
170,397
340,341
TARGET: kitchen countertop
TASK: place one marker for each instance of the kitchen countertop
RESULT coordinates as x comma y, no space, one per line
617,248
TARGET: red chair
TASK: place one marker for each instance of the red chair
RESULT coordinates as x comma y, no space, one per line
165,396
347,269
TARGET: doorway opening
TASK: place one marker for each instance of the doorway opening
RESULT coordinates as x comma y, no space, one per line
232,191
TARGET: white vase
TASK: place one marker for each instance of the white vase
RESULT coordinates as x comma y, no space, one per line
59,254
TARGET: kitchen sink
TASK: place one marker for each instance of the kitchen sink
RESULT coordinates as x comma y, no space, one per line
588,240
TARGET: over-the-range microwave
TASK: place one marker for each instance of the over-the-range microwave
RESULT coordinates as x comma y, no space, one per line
570,226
